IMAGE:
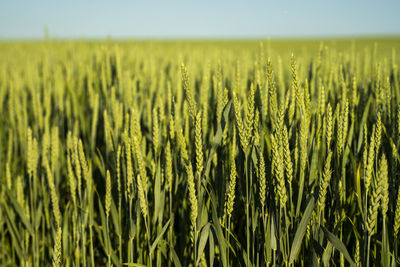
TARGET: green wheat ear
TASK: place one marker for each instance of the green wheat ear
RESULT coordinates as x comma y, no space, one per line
20,191
239,123
324,182
384,184
71,179
156,131
329,126
288,159
230,193
53,192
57,249
262,180
107,131
129,167
142,196
249,123
140,162
370,161
108,194
272,92
182,144
187,88
374,204
192,196
29,155
168,166
378,133
357,254
396,227
8,176
199,145
277,154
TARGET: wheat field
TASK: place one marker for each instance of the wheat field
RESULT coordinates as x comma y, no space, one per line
200,153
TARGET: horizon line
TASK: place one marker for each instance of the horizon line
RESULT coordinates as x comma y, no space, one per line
203,38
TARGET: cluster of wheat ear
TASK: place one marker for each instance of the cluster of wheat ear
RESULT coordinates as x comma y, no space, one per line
282,153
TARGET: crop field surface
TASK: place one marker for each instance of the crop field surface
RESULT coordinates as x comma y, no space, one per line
200,153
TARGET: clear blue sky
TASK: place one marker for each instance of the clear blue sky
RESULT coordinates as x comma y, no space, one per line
197,19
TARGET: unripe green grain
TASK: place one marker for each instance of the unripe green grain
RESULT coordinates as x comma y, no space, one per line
365,151
329,125
29,153
256,129
345,121
321,98
250,114
71,179
288,160
57,249
108,194
142,196
138,155
53,193
192,196
54,148
119,151
354,98
46,143
129,168
20,191
396,227
168,166
239,123
199,145
135,128
107,131
378,133
398,121
188,92
324,182
83,161
230,193
278,163
76,162
272,94
357,254
182,144
261,180
303,141
370,163
340,130
156,131
374,206
295,82
172,127
220,99
383,182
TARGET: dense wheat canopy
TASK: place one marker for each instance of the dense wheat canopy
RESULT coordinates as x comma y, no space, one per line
229,153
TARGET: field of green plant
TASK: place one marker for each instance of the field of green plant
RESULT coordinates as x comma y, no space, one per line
229,153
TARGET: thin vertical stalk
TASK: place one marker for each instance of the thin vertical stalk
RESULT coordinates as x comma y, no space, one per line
247,214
